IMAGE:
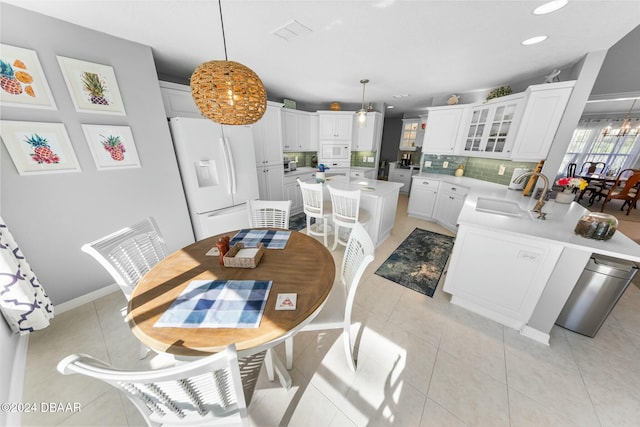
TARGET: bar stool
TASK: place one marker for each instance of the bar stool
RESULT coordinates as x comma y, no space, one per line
315,207
346,212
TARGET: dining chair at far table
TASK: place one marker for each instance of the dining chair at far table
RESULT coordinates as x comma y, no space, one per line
337,308
206,392
314,206
128,254
269,213
625,188
593,167
345,212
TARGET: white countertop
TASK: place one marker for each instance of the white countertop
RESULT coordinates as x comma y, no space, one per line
369,187
558,227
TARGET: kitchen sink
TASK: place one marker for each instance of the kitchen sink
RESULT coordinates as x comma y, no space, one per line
499,206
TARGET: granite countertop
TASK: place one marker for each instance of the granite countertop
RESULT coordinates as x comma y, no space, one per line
558,227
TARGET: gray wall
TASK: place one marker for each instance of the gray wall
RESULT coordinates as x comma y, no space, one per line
620,72
53,215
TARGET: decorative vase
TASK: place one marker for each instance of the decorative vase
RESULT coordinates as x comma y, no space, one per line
565,197
459,171
319,176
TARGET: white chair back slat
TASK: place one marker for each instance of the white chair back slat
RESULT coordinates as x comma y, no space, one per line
128,254
206,391
269,213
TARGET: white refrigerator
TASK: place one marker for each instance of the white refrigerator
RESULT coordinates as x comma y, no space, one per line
218,169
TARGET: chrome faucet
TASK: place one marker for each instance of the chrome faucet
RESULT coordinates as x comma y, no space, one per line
538,207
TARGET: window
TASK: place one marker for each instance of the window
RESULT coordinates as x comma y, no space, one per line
602,140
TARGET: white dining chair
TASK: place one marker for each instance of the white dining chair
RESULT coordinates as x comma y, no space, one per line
269,213
128,254
315,206
345,212
337,308
207,392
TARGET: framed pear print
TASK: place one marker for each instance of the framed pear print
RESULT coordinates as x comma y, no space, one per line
112,147
37,148
22,81
93,87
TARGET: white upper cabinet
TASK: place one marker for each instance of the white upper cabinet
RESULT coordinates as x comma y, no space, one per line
490,127
409,134
299,130
544,107
335,125
443,127
267,136
178,101
368,138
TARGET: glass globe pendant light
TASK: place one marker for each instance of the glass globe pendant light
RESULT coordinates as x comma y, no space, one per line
362,113
228,92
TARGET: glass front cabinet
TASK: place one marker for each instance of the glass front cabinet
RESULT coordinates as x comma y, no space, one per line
490,125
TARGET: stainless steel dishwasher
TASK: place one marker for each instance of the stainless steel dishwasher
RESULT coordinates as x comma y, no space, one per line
597,291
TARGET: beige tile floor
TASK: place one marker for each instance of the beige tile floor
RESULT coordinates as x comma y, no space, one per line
422,362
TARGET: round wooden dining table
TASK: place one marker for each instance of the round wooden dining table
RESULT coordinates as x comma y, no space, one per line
304,267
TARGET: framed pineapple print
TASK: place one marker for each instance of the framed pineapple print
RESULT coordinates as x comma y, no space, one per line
112,147
22,81
93,87
37,148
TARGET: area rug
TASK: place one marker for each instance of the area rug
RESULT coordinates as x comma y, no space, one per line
419,261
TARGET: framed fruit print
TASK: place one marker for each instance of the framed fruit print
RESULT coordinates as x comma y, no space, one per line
39,147
22,81
112,147
93,87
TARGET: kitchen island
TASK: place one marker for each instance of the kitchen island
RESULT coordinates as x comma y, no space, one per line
378,198
514,268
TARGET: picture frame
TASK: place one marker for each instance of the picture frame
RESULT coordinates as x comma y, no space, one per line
112,147
93,87
39,148
23,82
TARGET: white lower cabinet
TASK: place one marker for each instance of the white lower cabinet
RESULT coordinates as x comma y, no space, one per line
369,173
402,176
449,204
292,192
271,182
423,197
497,275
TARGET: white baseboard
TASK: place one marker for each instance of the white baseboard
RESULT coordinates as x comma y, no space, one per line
86,298
535,335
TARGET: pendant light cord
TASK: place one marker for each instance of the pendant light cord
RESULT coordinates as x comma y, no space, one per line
224,40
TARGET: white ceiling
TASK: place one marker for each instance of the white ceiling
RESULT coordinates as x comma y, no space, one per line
423,49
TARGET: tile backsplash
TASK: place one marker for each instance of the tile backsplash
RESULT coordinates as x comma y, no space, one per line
364,159
474,167
303,158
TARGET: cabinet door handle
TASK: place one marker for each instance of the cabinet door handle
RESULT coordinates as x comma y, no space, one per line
453,188
425,182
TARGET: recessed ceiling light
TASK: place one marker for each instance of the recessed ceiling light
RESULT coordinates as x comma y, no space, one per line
534,40
390,107
404,95
550,6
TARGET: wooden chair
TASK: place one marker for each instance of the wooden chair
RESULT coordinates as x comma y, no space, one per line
345,212
337,308
206,392
269,213
625,188
128,254
316,207
589,168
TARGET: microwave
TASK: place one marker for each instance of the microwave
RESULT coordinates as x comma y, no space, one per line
334,151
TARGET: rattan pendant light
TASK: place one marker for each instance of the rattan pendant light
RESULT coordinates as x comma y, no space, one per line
228,92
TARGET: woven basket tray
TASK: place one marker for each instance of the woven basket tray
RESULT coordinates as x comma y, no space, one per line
231,260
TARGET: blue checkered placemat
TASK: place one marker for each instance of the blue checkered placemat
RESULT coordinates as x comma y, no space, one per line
218,304
271,239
